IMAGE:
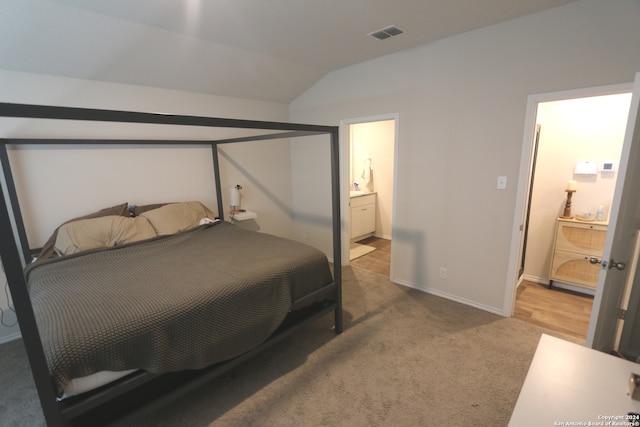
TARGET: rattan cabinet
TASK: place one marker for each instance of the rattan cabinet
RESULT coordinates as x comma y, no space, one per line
577,252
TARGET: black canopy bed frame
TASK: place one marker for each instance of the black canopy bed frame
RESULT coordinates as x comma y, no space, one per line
140,392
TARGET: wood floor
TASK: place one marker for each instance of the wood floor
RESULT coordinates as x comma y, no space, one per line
554,308
378,261
557,309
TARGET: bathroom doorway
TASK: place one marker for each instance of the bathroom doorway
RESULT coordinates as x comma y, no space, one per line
368,175
569,130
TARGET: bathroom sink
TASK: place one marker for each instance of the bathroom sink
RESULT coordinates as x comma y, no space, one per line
354,193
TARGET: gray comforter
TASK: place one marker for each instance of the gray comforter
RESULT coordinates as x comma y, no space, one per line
178,302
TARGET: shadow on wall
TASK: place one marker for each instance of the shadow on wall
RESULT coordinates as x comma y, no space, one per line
416,241
316,225
282,206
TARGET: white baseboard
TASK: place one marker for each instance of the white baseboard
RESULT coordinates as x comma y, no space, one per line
11,337
535,279
450,297
383,236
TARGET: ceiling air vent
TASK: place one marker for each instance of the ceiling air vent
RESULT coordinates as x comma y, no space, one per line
385,33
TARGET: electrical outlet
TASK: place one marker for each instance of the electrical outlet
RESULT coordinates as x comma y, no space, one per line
443,273
502,183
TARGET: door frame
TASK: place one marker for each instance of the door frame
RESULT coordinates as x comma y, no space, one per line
526,157
345,162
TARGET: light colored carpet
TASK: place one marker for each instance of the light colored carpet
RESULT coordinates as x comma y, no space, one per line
405,358
357,250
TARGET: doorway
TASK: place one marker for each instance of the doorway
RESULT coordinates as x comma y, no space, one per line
563,131
368,178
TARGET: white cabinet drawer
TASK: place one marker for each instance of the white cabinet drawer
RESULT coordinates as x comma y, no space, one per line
367,199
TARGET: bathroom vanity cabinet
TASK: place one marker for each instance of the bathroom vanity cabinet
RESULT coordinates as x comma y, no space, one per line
363,216
577,252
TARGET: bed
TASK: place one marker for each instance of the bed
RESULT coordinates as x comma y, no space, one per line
172,297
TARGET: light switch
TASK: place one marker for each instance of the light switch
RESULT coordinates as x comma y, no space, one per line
502,183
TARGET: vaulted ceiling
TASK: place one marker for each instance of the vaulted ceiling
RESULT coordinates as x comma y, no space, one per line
270,50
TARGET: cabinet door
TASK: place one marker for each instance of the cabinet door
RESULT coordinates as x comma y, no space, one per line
356,224
574,268
369,218
581,238
363,220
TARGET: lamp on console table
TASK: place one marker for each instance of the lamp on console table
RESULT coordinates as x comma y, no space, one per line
571,188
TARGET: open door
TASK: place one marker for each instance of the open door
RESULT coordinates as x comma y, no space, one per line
627,342
620,244
527,207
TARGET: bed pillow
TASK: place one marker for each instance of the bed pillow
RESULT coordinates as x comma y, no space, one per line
176,217
48,251
103,232
138,210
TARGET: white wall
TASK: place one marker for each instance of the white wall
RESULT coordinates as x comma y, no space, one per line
57,183
43,174
461,103
311,186
375,141
574,130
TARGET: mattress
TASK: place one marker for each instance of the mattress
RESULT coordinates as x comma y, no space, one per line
184,301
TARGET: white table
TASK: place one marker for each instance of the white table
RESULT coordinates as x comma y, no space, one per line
568,384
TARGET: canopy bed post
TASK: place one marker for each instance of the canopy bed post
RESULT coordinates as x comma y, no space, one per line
216,171
26,318
337,242
13,200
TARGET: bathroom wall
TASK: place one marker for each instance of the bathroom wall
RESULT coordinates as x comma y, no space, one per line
375,141
575,130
